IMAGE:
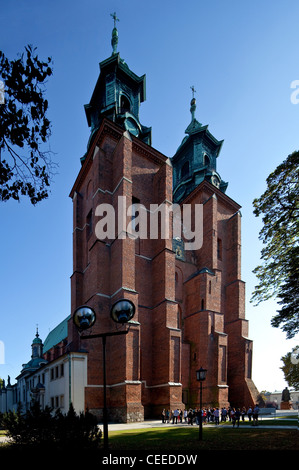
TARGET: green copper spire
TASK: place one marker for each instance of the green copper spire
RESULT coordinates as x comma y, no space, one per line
37,338
194,124
195,159
117,96
114,40
193,103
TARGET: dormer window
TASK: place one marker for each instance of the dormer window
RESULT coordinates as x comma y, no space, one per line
185,170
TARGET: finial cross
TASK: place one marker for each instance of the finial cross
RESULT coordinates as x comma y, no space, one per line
193,90
114,18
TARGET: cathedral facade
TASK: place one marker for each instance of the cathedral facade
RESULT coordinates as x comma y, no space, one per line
189,298
163,233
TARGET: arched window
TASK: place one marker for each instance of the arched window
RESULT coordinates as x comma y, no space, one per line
89,224
125,104
185,170
206,160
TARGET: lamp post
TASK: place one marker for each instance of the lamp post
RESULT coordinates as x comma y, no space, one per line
84,317
200,377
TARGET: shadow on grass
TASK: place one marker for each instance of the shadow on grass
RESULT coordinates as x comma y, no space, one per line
174,441
187,439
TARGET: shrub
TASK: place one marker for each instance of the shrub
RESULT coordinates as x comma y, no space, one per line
43,428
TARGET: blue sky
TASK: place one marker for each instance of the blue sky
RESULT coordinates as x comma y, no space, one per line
241,56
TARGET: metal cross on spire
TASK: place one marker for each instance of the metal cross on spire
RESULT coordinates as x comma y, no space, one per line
193,103
114,18
114,40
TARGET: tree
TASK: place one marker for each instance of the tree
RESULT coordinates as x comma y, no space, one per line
278,275
26,168
290,368
44,429
288,316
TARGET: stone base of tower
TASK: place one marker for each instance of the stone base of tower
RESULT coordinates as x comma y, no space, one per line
123,402
131,413
126,414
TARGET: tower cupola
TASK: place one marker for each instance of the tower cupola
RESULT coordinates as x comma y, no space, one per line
117,95
37,346
196,158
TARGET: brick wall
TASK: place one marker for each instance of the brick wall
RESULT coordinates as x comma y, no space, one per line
189,313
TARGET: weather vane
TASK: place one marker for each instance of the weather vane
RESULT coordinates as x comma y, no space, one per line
193,90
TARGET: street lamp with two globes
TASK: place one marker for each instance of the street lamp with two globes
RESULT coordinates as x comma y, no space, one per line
84,318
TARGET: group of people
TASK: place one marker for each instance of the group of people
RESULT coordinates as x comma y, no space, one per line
211,415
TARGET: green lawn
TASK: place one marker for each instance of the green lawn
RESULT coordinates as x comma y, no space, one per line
214,438
278,421
164,440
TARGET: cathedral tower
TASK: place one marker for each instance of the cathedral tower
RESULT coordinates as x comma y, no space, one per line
209,288
121,170
189,303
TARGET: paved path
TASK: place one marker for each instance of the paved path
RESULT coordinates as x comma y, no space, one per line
158,424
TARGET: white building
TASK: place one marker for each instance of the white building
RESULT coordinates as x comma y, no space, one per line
55,376
276,398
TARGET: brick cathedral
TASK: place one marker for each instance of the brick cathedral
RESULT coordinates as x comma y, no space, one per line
190,304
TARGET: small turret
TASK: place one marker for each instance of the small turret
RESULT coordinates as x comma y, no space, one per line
37,346
195,159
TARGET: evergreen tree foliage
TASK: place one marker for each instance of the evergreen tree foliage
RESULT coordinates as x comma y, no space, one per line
288,316
45,429
278,275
